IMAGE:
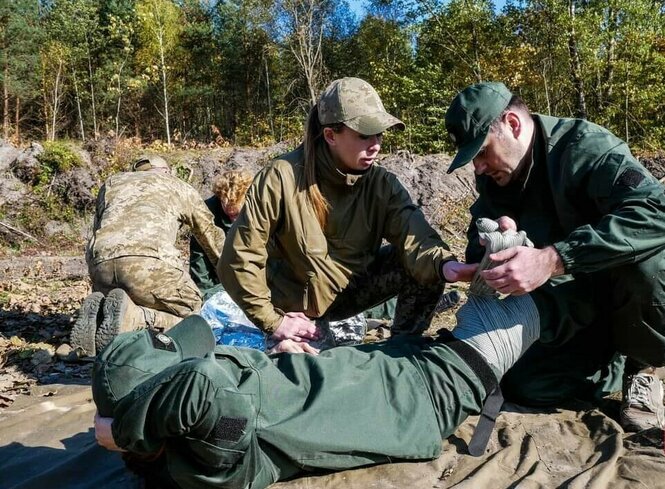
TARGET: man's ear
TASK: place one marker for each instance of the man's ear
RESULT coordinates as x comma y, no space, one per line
515,123
329,135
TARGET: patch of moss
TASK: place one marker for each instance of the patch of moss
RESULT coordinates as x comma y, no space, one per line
57,157
4,299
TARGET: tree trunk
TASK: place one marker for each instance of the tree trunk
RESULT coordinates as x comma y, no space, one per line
47,129
270,119
608,78
117,110
477,69
166,100
627,135
308,38
546,88
55,101
5,98
78,104
576,65
92,90
17,133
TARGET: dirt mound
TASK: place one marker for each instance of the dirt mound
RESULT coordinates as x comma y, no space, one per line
655,163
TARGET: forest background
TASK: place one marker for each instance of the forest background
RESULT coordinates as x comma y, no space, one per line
88,85
245,72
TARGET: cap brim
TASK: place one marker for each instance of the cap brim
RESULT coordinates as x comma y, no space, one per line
467,153
370,124
194,337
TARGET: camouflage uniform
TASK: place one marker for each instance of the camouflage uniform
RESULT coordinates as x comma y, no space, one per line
133,244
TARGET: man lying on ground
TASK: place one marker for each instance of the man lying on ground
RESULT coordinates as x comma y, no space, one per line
190,414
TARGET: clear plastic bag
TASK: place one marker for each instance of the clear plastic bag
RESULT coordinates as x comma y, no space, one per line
231,327
229,323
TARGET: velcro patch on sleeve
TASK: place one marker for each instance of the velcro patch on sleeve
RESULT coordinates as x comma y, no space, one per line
228,429
630,177
162,342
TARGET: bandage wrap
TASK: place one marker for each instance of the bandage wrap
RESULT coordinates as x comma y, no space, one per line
500,330
495,240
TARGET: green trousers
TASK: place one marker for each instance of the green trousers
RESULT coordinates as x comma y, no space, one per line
593,326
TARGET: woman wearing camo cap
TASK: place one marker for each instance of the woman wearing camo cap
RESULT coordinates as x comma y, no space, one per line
308,243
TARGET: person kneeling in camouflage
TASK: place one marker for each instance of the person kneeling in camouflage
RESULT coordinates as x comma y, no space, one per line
138,278
192,414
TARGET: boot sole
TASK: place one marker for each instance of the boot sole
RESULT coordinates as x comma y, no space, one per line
115,307
84,330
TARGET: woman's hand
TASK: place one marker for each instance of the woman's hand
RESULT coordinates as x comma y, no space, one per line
104,435
297,327
290,346
454,271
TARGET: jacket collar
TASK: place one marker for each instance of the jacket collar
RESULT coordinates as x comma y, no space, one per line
328,172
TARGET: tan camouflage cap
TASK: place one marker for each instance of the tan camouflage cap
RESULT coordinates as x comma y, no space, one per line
148,162
355,103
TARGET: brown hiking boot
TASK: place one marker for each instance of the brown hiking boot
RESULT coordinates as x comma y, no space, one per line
120,315
89,318
642,407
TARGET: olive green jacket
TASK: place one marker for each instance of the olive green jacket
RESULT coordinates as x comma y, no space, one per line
277,259
586,195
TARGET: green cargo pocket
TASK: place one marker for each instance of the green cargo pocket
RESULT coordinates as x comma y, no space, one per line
211,455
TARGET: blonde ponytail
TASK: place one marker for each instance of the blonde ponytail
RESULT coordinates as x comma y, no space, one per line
313,131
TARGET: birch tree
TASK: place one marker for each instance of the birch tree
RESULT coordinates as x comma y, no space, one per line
159,28
302,23
54,64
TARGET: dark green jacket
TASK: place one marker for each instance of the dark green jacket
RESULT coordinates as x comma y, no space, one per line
586,195
201,269
278,259
242,419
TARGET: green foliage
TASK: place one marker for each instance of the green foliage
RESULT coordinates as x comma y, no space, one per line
4,299
57,157
181,170
57,210
245,71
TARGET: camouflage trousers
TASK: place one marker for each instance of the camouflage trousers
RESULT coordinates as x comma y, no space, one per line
167,292
387,278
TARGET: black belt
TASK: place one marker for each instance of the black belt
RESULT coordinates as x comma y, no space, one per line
493,401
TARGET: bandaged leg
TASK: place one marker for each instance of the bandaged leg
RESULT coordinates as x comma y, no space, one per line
501,330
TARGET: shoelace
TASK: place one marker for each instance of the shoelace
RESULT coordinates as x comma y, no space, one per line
639,392
640,395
